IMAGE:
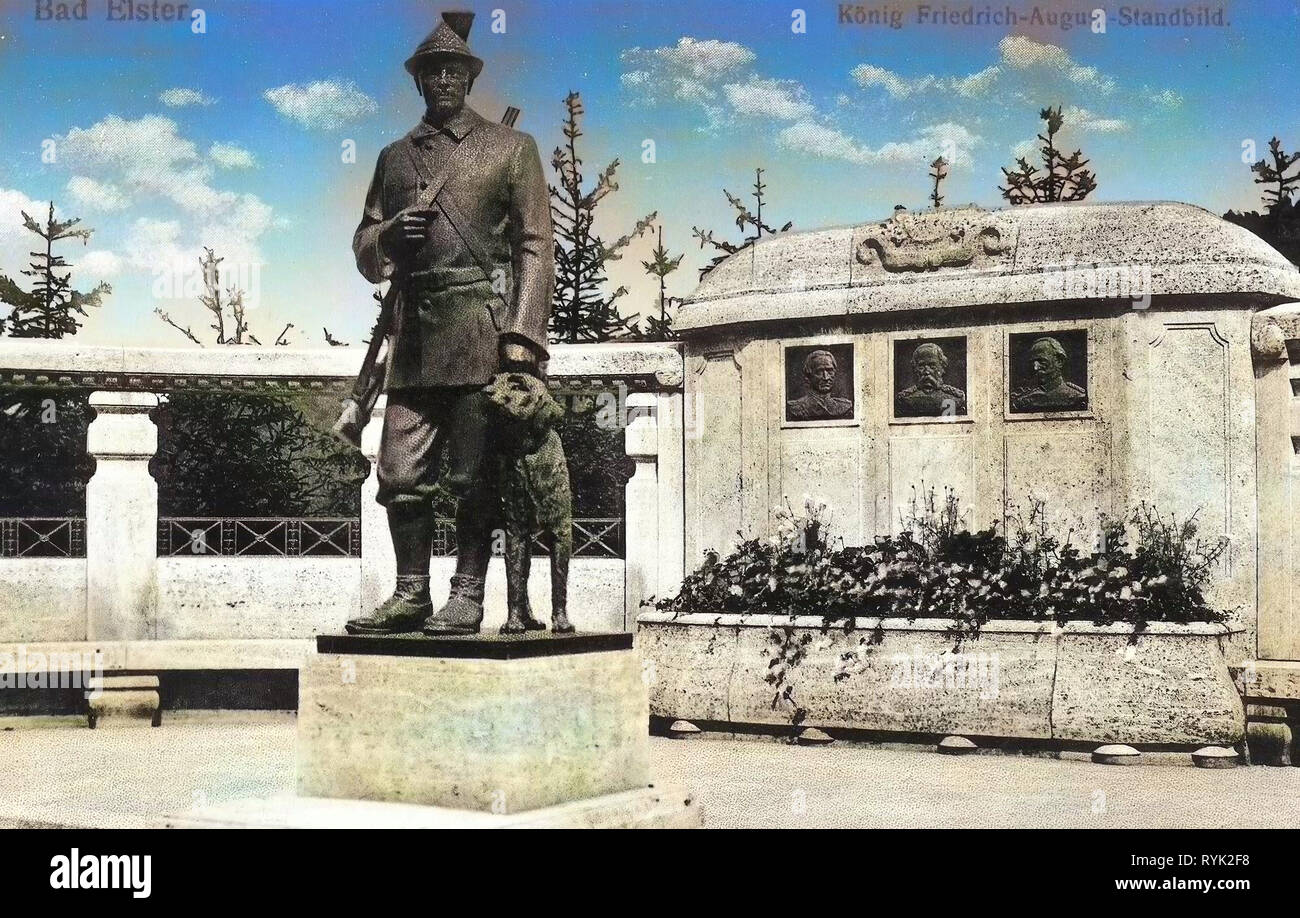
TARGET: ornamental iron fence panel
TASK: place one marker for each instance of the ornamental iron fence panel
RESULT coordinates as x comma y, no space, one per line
46,537
194,536
593,537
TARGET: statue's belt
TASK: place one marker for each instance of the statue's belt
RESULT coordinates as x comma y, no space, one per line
435,280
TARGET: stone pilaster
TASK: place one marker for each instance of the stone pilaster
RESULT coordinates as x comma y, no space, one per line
641,506
378,565
121,518
670,469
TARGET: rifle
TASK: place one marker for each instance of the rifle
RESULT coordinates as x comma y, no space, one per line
358,406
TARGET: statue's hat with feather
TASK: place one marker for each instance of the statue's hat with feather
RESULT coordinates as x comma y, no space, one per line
450,39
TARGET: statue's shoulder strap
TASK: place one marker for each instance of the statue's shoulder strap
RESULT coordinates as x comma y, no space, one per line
476,246
433,184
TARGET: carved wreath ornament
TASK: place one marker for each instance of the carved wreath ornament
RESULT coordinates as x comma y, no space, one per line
927,242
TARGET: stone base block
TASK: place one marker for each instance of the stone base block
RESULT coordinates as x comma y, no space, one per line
1269,734
497,724
116,701
644,808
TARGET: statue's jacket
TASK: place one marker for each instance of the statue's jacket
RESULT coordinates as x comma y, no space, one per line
448,319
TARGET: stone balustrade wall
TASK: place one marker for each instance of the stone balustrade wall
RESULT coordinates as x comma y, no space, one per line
146,611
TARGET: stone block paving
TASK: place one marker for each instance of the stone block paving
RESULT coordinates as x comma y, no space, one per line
128,777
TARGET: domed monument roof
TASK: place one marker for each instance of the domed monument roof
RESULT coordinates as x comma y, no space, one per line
970,256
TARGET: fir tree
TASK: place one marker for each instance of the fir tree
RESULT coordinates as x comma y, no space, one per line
47,310
582,309
744,218
1064,178
1279,224
939,172
1276,174
660,327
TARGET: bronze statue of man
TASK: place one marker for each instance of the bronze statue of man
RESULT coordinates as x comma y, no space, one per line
458,216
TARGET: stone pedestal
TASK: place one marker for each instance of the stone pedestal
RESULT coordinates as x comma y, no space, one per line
121,518
1269,734
499,724
121,701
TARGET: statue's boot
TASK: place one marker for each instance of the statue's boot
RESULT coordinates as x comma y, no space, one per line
403,612
411,526
531,623
522,621
463,611
519,618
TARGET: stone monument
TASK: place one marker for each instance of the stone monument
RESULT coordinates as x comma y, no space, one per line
413,706
1096,357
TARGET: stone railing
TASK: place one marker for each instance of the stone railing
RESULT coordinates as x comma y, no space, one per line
147,610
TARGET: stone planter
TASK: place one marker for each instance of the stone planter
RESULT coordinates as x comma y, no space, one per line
1027,680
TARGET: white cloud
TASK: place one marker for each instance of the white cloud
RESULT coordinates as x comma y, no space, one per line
231,156
1027,149
951,140
1022,53
690,71
95,266
102,196
15,240
1167,97
179,98
869,75
151,242
978,83
149,161
704,60
323,105
1015,54
1081,119
785,100
146,155
823,141
13,204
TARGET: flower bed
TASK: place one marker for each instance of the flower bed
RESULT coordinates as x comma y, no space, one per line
936,568
941,630
1168,684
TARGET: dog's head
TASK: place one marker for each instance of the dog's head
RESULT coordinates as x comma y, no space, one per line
524,404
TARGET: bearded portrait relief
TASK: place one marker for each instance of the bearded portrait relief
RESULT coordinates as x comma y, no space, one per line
930,378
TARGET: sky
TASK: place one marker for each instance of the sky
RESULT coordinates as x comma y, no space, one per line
165,140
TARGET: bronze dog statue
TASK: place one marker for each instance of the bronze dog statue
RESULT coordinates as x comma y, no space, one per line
533,481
